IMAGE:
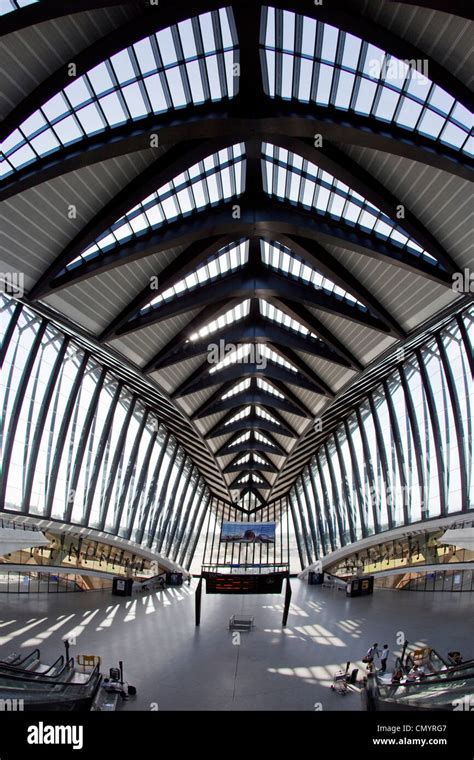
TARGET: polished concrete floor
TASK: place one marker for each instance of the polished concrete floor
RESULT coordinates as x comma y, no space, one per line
176,666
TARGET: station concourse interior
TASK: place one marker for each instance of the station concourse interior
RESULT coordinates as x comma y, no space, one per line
236,309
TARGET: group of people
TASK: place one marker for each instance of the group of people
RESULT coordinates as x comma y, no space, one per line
374,652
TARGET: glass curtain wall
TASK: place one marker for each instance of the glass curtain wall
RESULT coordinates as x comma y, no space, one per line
403,455
78,446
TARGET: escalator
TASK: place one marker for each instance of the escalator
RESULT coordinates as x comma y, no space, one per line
39,686
451,688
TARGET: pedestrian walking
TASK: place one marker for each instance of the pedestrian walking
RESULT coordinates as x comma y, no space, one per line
384,658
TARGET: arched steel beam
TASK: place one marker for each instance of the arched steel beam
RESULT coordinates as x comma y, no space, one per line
248,330
287,354
340,165
462,8
192,256
251,483
244,398
241,371
246,13
260,216
256,494
216,398
163,170
215,120
245,283
221,427
206,315
252,464
251,444
319,258
305,317
46,10
252,422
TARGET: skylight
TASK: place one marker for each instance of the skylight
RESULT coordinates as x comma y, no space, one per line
186,64
7,6
245,353
233,315
250,457
266,416
263,439
277,315
214,180
245,412
290,177
280,258
243,385
267,388
314,62
240,439
250,477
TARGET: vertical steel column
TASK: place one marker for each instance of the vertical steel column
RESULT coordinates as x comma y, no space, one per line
162,497
400,454
16,409
303,524
383,457
115,462
336,495
40,423
82,443
167,510
141,482
128,472
458,426
100,452
369,469
346,489
318,512
436,432
356,476
66,421
179,538
312,527
416,436
10,332
152,489
179,509
206,506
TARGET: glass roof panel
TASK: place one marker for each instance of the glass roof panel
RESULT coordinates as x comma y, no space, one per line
268,388
319,191
241,386
7,6
178,66
327,66
278,257
277,315
163,206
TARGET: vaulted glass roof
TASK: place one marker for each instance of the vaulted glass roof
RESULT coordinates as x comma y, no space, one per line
186,64
315,62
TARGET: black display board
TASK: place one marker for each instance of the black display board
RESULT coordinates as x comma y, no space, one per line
266,583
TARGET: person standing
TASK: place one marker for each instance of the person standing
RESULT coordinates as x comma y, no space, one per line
384,658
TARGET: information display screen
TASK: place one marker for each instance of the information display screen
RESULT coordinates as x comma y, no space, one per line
266,583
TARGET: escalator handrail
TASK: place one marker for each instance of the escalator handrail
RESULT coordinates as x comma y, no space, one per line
20,676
